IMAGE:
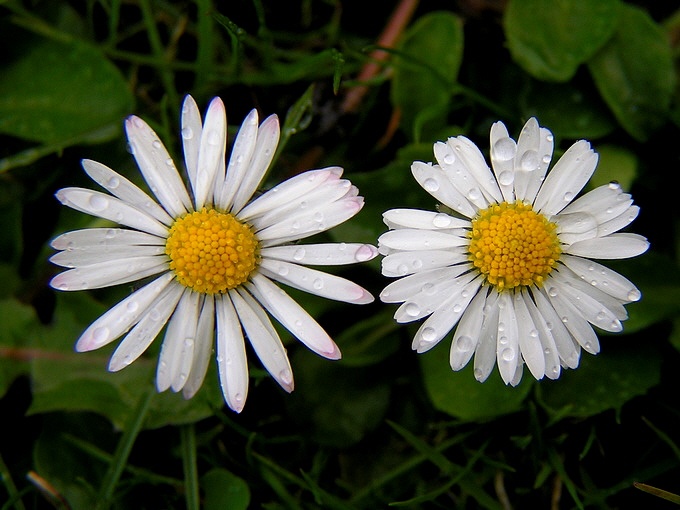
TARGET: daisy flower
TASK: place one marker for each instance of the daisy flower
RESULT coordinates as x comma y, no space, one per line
214,253
510,263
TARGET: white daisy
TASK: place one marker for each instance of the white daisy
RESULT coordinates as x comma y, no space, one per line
511,264
214,253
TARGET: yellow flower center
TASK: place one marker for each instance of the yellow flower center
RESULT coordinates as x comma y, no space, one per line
211,252
513,245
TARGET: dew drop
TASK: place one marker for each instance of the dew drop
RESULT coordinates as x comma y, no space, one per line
132,306
299,254
588,346
506,178
614,186
188,342
318,284
431,185
549,325
283,270
552,292
457,308
601,316
402,269
98,203
157,144
428,289
113,182
238,397
474,194
428,334
529,161
364,252
170,163
187,133
504,149
101,335
533,333
110,234
555,371
565,319
634,295
154,315
441,220
464,343
318,216
412,309
286,377
295,226
546,159
449,158
478,374
508,354
501,326
417,264
503,340
549,138
219,359
568,196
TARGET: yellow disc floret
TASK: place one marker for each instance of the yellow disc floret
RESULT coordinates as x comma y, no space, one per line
513,245
211,251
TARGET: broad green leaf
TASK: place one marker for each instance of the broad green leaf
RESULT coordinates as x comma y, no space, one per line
615,164
222,489
461,395
551,38
607,381
62,93
66,380
569,112
425,71
634,73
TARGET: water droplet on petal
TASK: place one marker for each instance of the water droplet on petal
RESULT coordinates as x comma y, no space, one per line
634,295
428,334
318,216
428,289
318,284
464,343
533,333
417,264
299,254
614,186
478,374
474,194
552,292
154,315
431,184
132,306
283,270
441,220
549,137
113,182
506,178
98,203
504,149
457,308
449,158
101,335
529,161
501,326
546,159
110,234
187,133
238,397
568,196
286,377
412,309
364,252
508,354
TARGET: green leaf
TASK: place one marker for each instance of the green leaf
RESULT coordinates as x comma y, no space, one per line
426,70
62,93
615,164
551,38
66,380
224,490
619,373
634,73
462,396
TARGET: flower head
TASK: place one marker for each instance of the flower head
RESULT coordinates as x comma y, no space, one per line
509,264
214,253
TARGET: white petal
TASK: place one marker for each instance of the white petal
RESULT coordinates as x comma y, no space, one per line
315,282
102,239
614,246
288,191
329,254
110,208
241,154
529,169
507,343
403,263
485,355
433,298
466,338
573,319
503,151
529,342
419,240
147,328
122,316
299,227
568,349
211,153
551,357
433,180
426,220
263,338
205,334
265,147
177,350
232,364
575,227
157,167
619,222
602,277
604,202
444,318
473,166
566,179
106,274
293,317
544,152
427,282
455,169
192,130
80,258
122,188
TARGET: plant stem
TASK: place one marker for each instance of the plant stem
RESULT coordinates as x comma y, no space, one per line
188,435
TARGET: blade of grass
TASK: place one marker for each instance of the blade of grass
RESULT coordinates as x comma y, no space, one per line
12,491
123,451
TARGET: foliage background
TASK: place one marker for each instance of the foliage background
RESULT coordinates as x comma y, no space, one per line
383,426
